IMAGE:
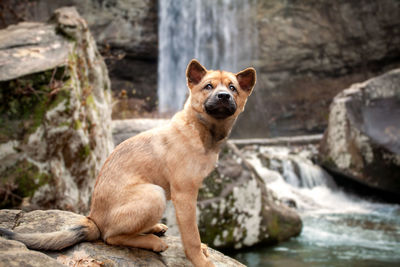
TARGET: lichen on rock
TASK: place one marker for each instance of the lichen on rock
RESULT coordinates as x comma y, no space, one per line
55,116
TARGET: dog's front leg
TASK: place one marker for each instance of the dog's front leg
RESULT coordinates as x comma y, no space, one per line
185,208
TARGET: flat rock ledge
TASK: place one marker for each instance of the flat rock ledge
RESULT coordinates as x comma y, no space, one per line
13,253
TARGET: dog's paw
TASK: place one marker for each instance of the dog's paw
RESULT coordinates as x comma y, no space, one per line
160,247
204,249
159,229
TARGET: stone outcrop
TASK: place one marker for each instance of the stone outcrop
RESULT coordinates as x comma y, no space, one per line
235,208
13,253
126,33
363,136
55,110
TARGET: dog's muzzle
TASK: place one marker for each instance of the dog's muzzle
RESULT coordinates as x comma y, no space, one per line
220,105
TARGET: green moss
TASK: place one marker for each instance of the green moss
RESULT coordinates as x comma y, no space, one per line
273,227
77,124
19,181
61,96
211,186
90,101
84,151
65,123
225,222
24,102
329,163
225,151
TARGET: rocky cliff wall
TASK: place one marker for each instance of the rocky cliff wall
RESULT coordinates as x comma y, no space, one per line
308,51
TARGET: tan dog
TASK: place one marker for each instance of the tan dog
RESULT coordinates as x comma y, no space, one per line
165,163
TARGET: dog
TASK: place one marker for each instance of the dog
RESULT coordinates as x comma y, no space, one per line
166,163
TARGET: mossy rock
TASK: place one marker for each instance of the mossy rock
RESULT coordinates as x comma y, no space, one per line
24,101
20,181
55,114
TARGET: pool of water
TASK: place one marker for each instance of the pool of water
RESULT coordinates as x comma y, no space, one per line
337,239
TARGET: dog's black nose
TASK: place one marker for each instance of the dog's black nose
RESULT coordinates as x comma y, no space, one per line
224,96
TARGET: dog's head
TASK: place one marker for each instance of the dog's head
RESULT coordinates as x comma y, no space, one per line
219,94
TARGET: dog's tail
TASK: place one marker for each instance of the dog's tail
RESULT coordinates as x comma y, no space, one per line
86,230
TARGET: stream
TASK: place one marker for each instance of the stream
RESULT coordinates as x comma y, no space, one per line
339,227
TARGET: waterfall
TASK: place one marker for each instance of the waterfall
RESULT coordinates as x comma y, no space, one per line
296,169
293,175
221,34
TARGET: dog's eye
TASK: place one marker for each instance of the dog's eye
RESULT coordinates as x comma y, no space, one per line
208,86
233,88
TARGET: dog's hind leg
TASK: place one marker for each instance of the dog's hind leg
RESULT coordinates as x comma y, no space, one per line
158,229
140,213
146,241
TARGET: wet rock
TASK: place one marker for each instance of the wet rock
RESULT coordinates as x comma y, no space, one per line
235,208
363,137
13,253
55,110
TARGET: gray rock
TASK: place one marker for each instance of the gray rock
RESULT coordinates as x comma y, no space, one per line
55,113
13,253
125,31
124,129
363,137
31,47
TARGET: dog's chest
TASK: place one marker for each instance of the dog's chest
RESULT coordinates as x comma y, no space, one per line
199,165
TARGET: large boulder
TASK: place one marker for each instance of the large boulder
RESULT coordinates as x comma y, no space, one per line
126,33
55,113
235,209
363,137
13,253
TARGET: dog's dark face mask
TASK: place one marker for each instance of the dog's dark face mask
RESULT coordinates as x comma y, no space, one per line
220,104
219,94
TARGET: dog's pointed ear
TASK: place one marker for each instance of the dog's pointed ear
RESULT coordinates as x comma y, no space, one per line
195,72
247,79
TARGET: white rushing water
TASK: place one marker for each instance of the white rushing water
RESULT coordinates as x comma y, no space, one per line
221,34
339,228
295,176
